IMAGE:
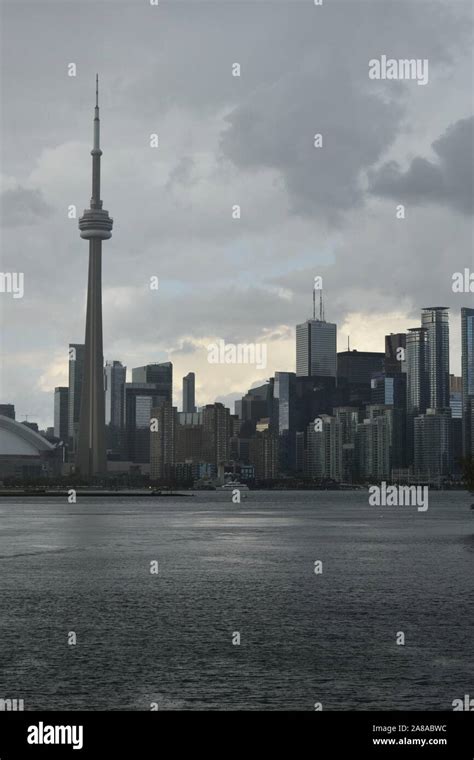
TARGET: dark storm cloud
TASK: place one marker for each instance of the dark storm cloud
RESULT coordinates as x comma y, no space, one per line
276,128
223,140
448,180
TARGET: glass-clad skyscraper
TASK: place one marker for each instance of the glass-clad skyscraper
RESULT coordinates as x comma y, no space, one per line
316,350
435,320
115,377
417,381
467,374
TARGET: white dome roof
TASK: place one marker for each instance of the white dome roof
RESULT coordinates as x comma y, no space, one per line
19,440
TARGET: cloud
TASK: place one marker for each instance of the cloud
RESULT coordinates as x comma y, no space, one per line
225,140
21,206
448,180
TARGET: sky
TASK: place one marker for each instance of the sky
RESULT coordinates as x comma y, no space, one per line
225,140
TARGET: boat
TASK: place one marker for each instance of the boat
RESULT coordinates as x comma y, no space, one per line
231,484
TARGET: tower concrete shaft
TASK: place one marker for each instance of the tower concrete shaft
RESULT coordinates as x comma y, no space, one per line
95,225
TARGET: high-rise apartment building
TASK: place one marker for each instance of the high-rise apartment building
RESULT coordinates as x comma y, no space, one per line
435,320
433,444
216,433
163,441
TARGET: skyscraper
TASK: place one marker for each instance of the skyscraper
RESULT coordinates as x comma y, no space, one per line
467,374
163,440
115,377
61,413
432,444
76,374
358,367
316,351
95,226
417,382
189,384
216,433
395,345
160,374
284,419
435,320
140,398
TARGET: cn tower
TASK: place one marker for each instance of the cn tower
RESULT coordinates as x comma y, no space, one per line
95,226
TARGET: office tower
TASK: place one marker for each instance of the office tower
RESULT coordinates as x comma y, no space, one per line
189,388
313,396
216,433
7,410
467,375
357,367
316,349
435,320
163,441
263,455
284,419
160,374
417,382
395,345
374,438
140,398
189,437
114,380
433,445
76,374
61,413
95,226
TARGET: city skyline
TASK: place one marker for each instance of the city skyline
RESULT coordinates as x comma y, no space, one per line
130,373
243,280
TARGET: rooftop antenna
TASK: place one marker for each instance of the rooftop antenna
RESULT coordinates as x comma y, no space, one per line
314,302
321,306
348,342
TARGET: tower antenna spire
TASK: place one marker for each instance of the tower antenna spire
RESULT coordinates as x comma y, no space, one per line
314,302
96,90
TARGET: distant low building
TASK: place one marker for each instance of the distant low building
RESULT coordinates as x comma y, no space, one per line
26,454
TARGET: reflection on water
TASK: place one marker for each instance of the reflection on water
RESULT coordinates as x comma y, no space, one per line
224,568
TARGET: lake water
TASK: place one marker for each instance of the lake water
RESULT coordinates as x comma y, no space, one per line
224,569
